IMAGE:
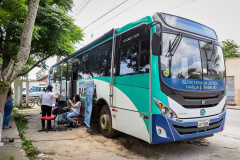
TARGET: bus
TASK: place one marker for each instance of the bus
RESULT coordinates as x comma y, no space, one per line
161,79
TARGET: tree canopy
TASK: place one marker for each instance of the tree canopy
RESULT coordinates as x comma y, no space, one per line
231,49
54,33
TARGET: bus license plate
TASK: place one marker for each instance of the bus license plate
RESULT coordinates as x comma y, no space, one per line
203,123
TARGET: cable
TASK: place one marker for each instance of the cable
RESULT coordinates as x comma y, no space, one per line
178,6
115,16
82,8
183,3
106,13
80,5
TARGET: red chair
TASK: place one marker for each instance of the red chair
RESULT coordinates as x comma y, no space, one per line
49,118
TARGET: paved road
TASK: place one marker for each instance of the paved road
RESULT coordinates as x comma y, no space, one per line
223,145
232,127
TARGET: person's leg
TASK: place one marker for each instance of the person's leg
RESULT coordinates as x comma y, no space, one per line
72,114
44,112
4,115
49,112
64,115
7,114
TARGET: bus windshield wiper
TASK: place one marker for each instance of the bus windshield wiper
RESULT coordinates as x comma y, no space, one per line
175,44
172,46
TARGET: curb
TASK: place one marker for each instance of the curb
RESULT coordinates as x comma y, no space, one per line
233,107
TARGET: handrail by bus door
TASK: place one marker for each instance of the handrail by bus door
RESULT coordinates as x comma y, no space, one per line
112,69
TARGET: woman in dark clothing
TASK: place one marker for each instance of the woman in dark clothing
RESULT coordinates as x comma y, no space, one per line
8,109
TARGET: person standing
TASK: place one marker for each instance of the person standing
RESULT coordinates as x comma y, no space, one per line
46,107
75,110
8,109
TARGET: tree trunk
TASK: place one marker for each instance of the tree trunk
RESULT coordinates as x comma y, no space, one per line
4,88
15,66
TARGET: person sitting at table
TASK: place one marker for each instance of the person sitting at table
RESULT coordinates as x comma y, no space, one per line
75,110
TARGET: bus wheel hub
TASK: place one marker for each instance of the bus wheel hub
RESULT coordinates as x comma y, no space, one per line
104,121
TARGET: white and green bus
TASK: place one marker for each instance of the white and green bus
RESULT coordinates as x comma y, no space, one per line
160,79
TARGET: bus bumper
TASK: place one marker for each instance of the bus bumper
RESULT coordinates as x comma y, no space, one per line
168,130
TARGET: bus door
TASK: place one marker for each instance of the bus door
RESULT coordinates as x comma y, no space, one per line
72,76
129,91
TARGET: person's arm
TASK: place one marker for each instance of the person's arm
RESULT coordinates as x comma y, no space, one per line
72,104
40,98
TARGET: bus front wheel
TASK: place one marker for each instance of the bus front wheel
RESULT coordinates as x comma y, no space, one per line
105,123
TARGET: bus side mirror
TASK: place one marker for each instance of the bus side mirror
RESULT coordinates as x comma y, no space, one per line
156,45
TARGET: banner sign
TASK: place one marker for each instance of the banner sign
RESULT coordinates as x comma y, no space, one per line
88,103
195,84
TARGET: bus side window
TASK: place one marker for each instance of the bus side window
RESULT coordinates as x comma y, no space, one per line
129,53
144,56
134,51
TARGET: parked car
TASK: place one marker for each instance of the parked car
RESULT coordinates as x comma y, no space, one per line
34,91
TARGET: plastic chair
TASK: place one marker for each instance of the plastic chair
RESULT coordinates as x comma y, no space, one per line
49,118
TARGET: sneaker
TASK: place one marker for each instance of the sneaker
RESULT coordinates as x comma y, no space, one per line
75,124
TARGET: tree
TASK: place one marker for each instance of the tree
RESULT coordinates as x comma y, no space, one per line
231,49
13,65
41,73
54,32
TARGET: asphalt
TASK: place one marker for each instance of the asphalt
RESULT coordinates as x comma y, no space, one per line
12,150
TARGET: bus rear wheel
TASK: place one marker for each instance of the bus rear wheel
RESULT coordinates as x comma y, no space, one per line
105,123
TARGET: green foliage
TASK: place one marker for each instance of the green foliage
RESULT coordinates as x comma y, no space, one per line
54,32
11,158
27,145
41,73
21,123
29,148
231,49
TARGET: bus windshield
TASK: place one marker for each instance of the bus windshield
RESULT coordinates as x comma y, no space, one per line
190,64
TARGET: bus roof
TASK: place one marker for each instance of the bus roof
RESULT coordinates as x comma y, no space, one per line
106,35
147,19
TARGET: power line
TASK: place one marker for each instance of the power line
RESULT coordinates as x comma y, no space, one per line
183,3
80,5
178,6
115,16
106,14
82,8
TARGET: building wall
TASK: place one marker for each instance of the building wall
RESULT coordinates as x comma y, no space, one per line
233,69
35,84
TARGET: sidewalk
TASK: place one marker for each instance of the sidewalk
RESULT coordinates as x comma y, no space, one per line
233,107
12,149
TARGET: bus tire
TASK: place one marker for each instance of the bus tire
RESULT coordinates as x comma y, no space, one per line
105,123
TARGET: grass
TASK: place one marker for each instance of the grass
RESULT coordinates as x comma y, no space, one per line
11,158
25,107
27,145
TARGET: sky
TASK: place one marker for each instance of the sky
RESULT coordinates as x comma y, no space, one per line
97,17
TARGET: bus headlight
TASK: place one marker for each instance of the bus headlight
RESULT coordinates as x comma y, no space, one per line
165,111
171,115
